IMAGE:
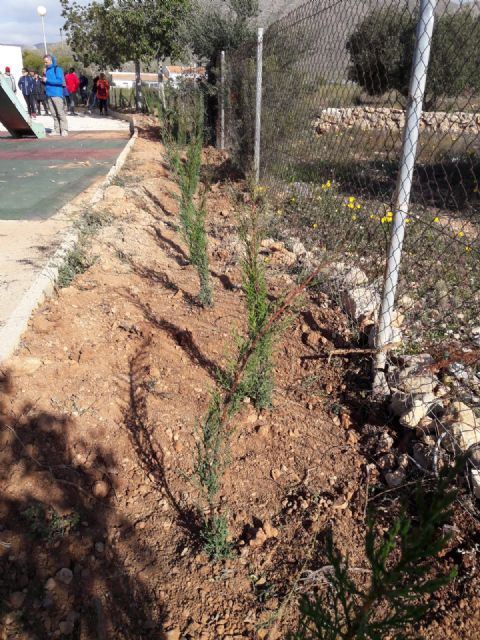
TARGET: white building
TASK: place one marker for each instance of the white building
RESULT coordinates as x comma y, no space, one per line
11,56
173,74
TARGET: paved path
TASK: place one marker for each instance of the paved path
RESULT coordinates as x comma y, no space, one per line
44,184
85,122
37,177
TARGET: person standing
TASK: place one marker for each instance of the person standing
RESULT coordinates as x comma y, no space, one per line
93,95
40,95
10,79
54,80
73,83
27,87
102,94
83,88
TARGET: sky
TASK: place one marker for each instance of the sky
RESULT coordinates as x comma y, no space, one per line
20,24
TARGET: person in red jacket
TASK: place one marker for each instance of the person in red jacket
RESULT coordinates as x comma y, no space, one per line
102,94
73,83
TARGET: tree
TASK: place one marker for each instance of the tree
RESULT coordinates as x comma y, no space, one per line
32,60
381,53
111,32
208,30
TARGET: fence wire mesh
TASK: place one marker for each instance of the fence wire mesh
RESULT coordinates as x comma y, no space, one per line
336,77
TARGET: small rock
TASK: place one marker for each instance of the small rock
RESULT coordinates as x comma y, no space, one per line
474,456
459,371
387,462
422,455
50,584
275,474
360,302
409,383
462,413
263,430
64,575
385,442
99,547
41,324
25,366
100,489
419,409
465,435
173,634
395,479
475,478
17,599
270,532
114,192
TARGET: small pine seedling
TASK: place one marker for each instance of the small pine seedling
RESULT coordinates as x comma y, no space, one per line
402,573
258,379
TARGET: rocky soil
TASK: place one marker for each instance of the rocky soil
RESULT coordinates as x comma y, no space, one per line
98,415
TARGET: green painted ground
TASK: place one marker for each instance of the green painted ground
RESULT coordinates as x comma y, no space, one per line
38,177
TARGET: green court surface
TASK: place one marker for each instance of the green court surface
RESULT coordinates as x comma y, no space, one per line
38,177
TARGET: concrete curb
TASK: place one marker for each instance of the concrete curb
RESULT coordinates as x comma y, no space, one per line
44,283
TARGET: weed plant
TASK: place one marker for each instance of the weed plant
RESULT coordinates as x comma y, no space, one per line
76,262
402,570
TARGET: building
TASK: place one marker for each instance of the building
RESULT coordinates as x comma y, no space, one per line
173,74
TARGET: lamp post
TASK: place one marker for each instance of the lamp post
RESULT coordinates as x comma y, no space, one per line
42,12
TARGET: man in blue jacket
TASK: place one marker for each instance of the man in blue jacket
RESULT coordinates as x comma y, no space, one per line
27,87
54,85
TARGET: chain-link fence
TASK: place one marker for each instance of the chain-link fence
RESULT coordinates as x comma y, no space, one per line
370,152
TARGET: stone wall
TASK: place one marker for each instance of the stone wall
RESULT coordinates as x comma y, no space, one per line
373,118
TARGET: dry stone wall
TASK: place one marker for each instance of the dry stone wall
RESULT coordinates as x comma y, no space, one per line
373,118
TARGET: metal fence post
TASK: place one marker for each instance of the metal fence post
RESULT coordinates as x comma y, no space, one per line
222,100
258,105
404,185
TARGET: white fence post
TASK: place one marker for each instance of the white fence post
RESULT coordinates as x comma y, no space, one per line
222,100
258,106
404,185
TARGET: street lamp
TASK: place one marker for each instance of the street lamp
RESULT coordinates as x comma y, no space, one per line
42,12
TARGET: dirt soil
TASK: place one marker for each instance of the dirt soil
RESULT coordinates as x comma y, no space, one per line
98,416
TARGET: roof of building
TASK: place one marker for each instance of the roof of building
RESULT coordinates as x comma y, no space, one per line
153,77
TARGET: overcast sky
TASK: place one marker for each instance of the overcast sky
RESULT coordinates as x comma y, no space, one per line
20,24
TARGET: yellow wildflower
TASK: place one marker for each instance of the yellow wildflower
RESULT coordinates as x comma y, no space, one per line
389,214
436,219
468,248
266,260
351,199
314,225
372,216
293,200
460,234
354,217
407,220
326,185
359,206
350,205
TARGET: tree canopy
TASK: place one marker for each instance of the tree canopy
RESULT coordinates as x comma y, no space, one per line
111,32
381,53
211,29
